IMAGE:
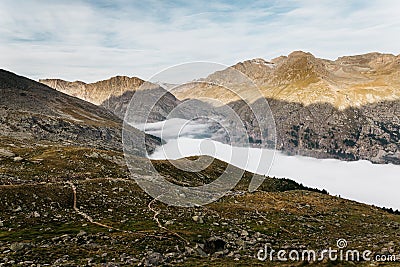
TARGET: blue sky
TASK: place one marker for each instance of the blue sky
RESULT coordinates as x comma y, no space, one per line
94,40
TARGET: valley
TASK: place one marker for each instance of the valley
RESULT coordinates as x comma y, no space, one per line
69,197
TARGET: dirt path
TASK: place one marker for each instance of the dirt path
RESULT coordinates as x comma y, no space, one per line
84,215
155,218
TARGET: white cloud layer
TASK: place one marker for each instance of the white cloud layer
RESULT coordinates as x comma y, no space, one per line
362,181
95,40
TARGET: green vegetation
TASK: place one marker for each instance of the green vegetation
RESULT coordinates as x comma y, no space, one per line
39,223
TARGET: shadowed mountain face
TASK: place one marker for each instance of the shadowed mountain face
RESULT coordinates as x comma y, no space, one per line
115,94
33,111
369,132
119,104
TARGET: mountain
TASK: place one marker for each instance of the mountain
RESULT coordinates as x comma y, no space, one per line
350,81
97,92
115,94
347,109
33,111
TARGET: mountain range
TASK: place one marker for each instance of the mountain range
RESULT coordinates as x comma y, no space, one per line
68,198
347,108
349,81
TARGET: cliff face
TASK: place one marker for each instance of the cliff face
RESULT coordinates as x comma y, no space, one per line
114,94
370,132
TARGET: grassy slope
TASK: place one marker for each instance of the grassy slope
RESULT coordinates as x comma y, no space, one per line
40,224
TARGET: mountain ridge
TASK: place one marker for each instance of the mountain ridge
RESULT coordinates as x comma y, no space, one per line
115,94
348,81
96,92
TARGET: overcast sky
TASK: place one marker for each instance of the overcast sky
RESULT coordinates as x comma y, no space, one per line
94,40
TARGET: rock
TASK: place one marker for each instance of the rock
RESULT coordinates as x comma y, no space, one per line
154,259
200,251
198,219
240,242
17,246
244,233
170,222
18,209
188,250
81,233
218,254
94,155
18,159
214,244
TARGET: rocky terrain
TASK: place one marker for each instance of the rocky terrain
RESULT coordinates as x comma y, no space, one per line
98,216
320,130
97,92
115,94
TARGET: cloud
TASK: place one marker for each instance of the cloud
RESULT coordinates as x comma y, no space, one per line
98,39
357,180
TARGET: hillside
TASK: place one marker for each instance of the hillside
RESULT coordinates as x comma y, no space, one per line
32,112
94,221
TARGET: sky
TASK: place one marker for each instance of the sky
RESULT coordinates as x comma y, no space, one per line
95,40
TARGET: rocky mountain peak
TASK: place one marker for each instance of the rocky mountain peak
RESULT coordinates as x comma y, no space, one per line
97,92
299,53
299,69
257,69
118,83
260,62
